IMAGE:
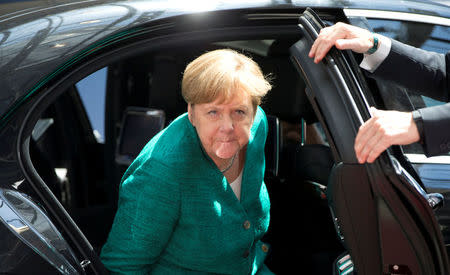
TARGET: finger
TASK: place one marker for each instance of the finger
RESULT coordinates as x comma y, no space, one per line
366,149
377,150
363,134
317,42
322,51
322,44
312,51
315,49
328,39
382,135
371,128
373,111
362,138
376,143
359,141
323,48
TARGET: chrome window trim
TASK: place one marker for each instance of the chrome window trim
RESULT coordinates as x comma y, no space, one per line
422,159
398,16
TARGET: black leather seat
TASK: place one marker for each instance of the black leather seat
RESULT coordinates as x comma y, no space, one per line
313,162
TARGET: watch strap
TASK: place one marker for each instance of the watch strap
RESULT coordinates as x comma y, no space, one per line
375,45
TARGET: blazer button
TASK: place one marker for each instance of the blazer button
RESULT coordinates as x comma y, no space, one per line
264,248
247,225
246,253
443,147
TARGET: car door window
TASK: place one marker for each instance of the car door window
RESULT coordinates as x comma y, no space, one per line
92,91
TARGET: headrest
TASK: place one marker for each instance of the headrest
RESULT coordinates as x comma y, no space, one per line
139,125
280,47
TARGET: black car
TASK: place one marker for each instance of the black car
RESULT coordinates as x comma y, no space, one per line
85,84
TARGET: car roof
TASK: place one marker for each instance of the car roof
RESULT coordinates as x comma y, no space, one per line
37,37
26,9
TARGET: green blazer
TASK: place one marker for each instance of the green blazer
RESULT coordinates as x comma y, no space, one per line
177,213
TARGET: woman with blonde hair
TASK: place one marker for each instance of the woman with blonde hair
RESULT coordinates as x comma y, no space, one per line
194,200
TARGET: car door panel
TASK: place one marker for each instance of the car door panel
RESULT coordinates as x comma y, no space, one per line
355,228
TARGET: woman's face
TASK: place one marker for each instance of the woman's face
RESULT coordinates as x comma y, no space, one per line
223,127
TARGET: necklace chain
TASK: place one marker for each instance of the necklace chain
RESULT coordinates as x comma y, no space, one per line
229,165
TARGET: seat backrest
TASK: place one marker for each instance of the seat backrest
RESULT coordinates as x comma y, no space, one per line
313,162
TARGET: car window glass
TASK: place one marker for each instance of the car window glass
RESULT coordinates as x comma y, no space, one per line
422,35
92,93
426,36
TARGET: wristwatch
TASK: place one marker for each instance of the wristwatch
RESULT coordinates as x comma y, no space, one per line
375,44
418,120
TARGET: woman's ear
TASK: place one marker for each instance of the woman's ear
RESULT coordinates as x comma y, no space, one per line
190,113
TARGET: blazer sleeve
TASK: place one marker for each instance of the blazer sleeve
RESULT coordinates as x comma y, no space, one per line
425,73
148,211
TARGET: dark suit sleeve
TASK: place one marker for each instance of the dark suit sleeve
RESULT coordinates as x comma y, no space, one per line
425,73
436,129
419,71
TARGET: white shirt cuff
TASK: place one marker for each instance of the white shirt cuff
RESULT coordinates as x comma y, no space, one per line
372,61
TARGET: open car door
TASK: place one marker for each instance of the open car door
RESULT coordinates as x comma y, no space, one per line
382,214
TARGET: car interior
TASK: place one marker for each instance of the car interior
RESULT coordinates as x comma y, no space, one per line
142,97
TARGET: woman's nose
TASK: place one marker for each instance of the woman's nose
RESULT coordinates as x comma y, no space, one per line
226,123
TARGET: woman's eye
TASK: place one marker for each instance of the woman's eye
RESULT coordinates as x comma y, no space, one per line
212,113
240,112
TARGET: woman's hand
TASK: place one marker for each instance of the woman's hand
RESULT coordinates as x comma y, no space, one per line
384,129
343,37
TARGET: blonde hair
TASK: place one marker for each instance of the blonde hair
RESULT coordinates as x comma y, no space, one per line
221,74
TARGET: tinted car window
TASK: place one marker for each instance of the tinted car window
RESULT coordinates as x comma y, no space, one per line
92,93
